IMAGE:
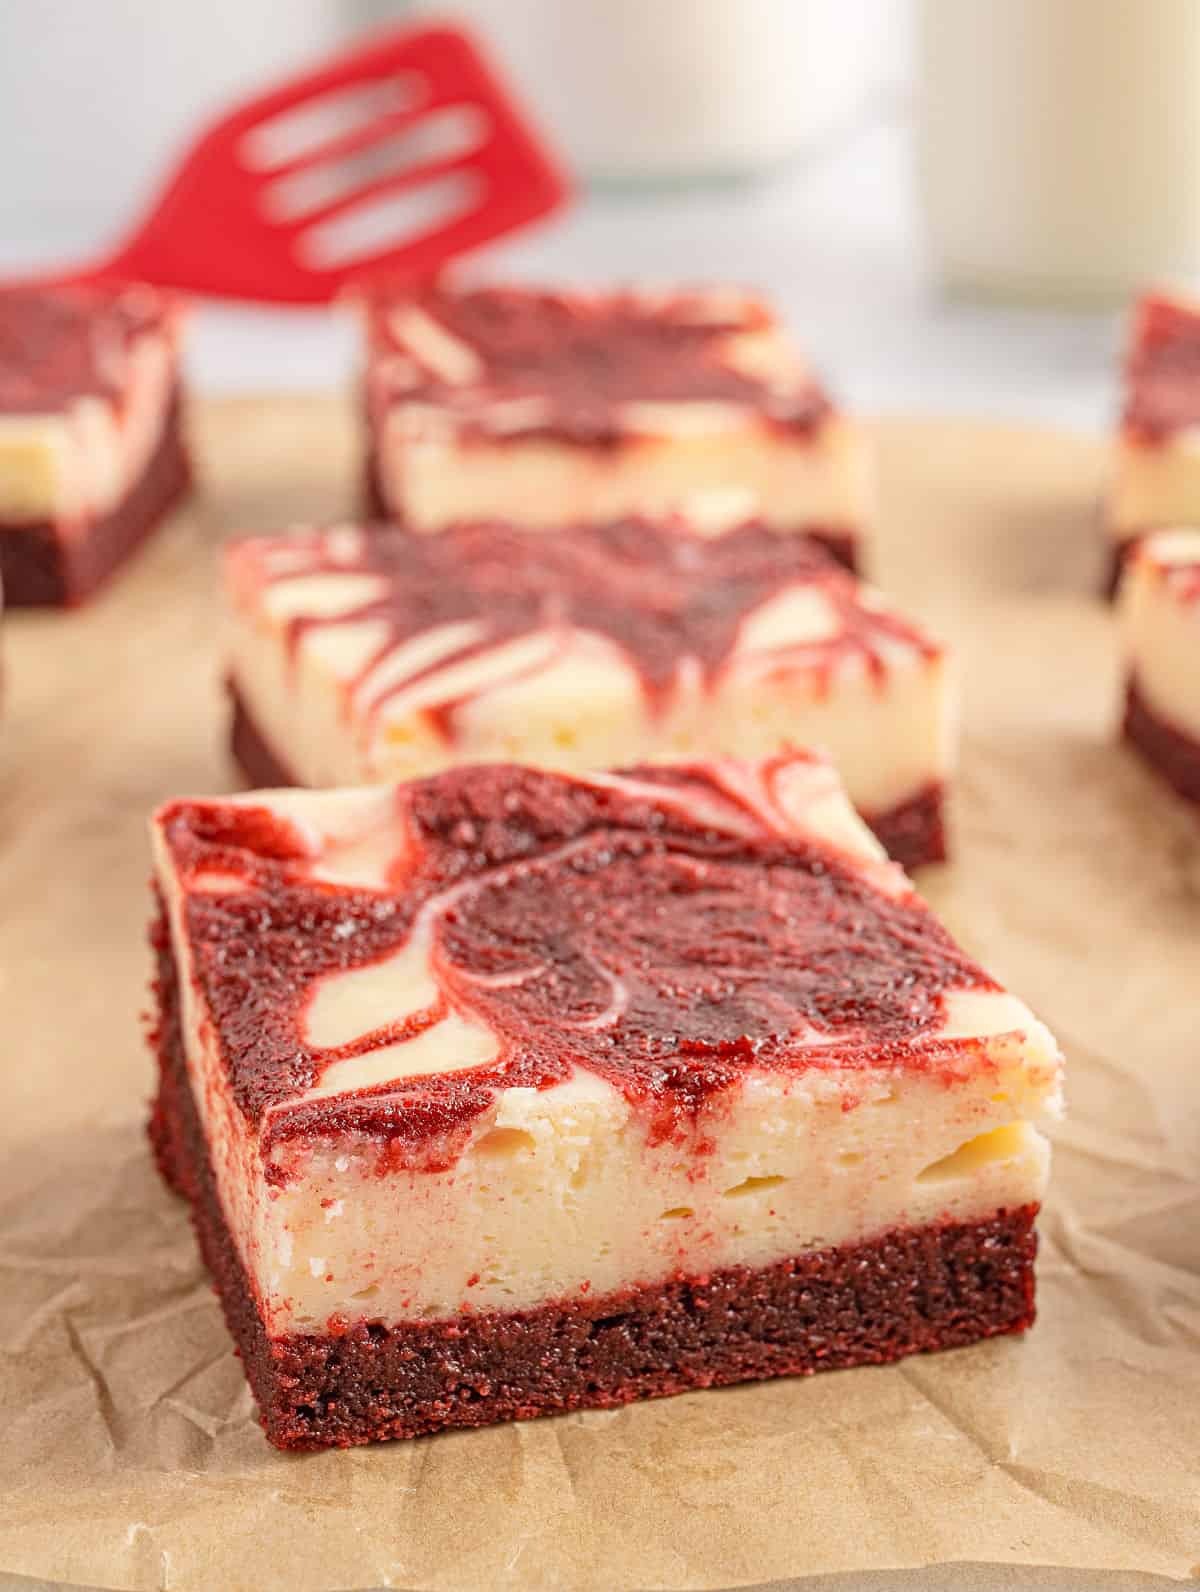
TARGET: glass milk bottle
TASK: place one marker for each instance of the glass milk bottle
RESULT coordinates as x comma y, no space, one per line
1058,144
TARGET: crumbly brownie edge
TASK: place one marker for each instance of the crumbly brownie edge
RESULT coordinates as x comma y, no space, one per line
914,832
1169,751
1118,553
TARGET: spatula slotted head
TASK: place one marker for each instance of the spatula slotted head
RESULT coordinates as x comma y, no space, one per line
419,156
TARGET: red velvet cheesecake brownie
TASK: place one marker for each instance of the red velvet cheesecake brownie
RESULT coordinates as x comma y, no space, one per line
1160,612
546,407
361,655
91,452
507,1092
1157,469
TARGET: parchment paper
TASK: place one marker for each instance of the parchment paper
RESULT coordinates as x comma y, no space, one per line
130,1457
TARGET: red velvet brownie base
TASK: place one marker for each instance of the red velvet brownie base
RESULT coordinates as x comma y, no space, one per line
40,568
1169,751
908,1292
913,833
842,545
1118,553
263,768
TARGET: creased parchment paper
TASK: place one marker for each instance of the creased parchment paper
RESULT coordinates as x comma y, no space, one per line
130,1457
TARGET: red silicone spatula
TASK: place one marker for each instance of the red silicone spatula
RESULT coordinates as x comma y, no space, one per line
232,221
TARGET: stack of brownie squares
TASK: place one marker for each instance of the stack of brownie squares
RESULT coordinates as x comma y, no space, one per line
573,1038
610,528
1153,523
577,1036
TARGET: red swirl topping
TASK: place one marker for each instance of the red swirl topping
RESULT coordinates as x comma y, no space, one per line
664,936
659,592
1163,371
587,355
57,346
1183,583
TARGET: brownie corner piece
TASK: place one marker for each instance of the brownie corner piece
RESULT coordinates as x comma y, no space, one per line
540,405
507,1092
92,454
361,654
1160,625
1156,460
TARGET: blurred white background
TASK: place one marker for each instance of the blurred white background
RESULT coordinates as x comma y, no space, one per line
769,142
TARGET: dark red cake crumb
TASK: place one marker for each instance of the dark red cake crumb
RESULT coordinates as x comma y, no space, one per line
907,1292
914,832
263,767
1173,754
1119,555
